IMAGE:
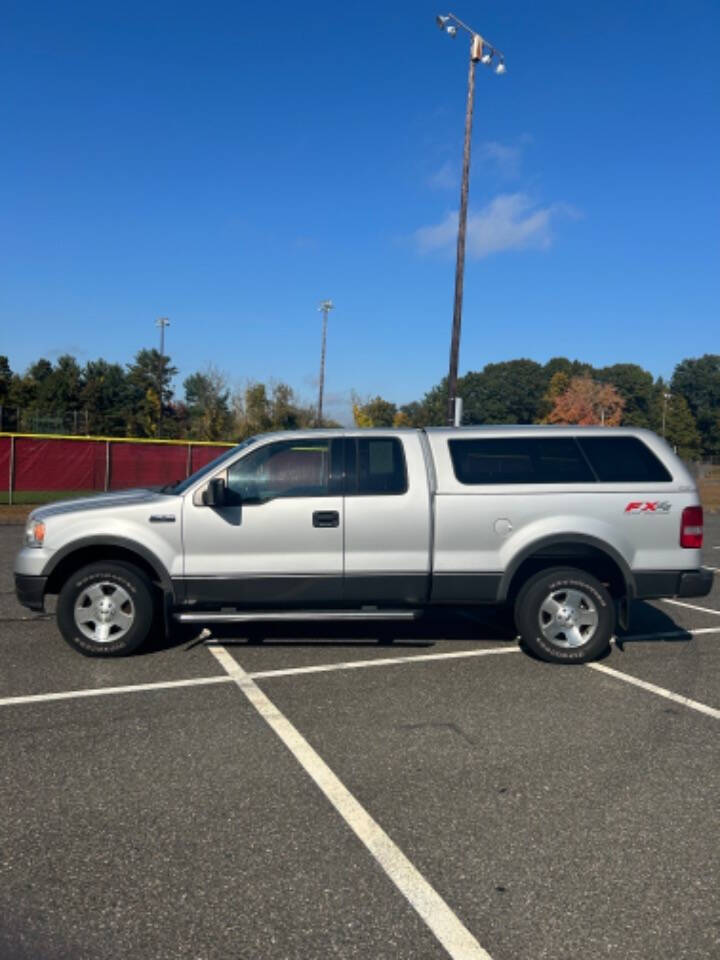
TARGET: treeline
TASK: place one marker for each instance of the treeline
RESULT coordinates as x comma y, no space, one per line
686,410
107,399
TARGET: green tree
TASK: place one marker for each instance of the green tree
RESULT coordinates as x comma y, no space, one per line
413,415
59,392
635,386
433,408
374,413
287,413
6,379
150,381
698,380
208,410
681,431
571,368
106,396
508,392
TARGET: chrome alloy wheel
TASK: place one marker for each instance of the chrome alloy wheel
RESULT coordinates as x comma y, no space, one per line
568,618
104,612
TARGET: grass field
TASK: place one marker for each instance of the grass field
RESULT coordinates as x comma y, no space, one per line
24,502
35,497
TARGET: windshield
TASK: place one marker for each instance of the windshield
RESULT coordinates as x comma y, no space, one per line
183,485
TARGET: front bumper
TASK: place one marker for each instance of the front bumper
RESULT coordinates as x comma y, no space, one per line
655,584
30,591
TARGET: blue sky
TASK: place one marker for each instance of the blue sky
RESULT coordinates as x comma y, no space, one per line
229,166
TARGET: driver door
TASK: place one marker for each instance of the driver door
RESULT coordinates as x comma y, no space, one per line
278,540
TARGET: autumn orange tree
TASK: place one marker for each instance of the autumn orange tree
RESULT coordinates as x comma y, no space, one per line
587,402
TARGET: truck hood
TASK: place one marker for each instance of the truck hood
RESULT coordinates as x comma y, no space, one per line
101,501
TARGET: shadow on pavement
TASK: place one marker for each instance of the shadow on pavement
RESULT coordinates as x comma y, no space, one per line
452,624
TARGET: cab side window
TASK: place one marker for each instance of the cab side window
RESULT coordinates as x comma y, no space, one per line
375,466
288,468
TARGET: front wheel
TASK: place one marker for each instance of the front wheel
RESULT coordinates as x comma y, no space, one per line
565,615
106,609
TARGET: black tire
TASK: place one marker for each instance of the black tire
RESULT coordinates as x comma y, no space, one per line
128,595
583,622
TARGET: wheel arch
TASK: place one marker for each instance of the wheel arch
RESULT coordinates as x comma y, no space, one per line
87,550
574,550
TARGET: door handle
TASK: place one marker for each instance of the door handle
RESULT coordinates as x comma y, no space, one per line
326,518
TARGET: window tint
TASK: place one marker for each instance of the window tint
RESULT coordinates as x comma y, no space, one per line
519,460
209,467
623,460
289,468
375,465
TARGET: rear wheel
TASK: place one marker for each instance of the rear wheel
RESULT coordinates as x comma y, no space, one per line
106,609
565,615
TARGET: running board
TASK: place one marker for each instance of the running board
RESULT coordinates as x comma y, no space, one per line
213,616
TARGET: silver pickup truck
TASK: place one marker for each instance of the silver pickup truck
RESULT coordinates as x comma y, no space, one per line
567,525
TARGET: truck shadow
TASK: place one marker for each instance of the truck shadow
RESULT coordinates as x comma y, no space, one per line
648,624
450,624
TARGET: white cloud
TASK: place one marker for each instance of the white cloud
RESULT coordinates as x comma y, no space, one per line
445,178
509,222
505,158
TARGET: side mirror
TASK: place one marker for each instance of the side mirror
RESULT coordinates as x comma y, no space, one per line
216,493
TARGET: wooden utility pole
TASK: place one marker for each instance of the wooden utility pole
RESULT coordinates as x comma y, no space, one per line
486,53
475,54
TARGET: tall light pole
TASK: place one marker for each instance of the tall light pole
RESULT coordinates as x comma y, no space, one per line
162,322
480,50
666,397
325,307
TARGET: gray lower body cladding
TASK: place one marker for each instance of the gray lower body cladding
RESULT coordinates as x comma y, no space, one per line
407,589
655,584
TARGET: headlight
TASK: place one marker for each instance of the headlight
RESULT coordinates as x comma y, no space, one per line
35,533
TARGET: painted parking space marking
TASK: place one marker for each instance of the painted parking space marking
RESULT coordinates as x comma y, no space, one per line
669,634
660,691
427,902
106,691
318,668
692,606
381,662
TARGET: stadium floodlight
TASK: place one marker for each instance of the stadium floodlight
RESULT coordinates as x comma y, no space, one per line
480,52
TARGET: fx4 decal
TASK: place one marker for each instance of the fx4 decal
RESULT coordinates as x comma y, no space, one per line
651,506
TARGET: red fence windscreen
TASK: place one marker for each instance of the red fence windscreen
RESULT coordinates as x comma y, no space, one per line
146,465
4,464
59,464
42,466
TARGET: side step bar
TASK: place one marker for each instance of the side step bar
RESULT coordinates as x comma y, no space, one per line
213,616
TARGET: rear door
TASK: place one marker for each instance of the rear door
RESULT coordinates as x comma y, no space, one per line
387,520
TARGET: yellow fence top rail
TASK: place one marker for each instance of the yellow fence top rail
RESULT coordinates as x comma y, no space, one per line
173,443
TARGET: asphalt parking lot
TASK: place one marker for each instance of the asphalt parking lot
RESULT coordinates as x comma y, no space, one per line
394,791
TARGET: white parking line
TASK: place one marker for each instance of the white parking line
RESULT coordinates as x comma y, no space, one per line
444,924
104,691
318,668
692,606
660,691
667,634
384,662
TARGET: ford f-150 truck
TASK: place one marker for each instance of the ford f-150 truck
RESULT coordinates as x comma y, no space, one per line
567,525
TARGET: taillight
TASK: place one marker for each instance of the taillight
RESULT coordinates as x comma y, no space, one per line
691,527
